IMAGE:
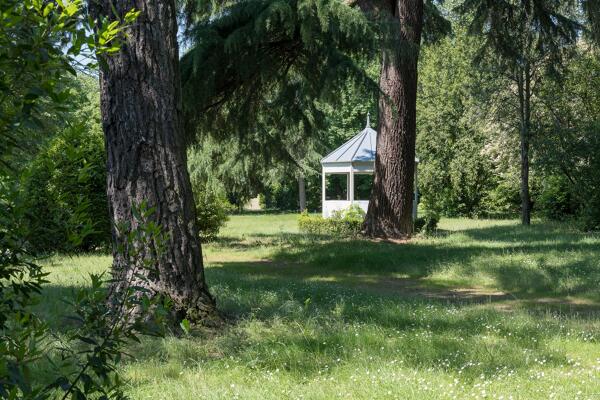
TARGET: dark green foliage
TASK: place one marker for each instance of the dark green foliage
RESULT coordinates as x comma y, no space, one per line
518,31
212,205
556,201
570,144
343,223
22,333
502,201
455,172
244,174
288,80
271,60
33,69
427,223
436,24
221,164
259,79
281,195
240,176
524,43
590,215
81,362
282,192
591,9
212,209
64,190
347,115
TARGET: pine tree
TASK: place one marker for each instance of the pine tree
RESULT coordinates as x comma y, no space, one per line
259,68
390,207
259,81
260,65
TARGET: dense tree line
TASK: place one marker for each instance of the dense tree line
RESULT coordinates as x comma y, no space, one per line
467,132
467,136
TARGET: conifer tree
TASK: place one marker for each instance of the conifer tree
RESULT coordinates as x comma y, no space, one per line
260,64
260,67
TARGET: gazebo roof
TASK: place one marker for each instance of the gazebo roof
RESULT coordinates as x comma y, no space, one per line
361,148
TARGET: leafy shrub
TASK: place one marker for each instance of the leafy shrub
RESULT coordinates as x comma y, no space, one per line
210,197
589,216
342,223
503,200
281,195
88,352
212,209
64,190
427,224
312,224
21,331
556,200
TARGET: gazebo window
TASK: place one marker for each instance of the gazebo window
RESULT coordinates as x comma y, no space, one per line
362,186
336,186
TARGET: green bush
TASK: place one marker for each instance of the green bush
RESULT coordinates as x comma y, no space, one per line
427,224
212,209
93,344
556,200
342,223
503,200
64,190
589,216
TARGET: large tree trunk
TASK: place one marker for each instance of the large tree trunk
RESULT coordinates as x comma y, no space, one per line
141,114
390,207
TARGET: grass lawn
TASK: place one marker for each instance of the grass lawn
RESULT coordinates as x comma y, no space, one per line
486,309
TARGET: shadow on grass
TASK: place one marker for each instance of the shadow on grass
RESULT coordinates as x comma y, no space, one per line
305,328
523,261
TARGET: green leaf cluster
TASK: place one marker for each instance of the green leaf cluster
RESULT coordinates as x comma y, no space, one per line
81,362
258,68
41,44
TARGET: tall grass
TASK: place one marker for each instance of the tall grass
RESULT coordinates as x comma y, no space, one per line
485,309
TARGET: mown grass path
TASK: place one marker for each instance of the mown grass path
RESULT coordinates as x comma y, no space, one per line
486,309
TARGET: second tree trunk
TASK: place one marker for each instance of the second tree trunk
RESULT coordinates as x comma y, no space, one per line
390,207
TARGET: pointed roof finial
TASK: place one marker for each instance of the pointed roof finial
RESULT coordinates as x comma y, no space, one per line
368,120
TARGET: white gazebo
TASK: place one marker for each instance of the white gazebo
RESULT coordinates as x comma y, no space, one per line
347,174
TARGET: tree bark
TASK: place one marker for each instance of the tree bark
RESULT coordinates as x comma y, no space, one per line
390,207
302,193
524,87
141,115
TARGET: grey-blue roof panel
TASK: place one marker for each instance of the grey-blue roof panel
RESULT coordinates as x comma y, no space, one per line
361,147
